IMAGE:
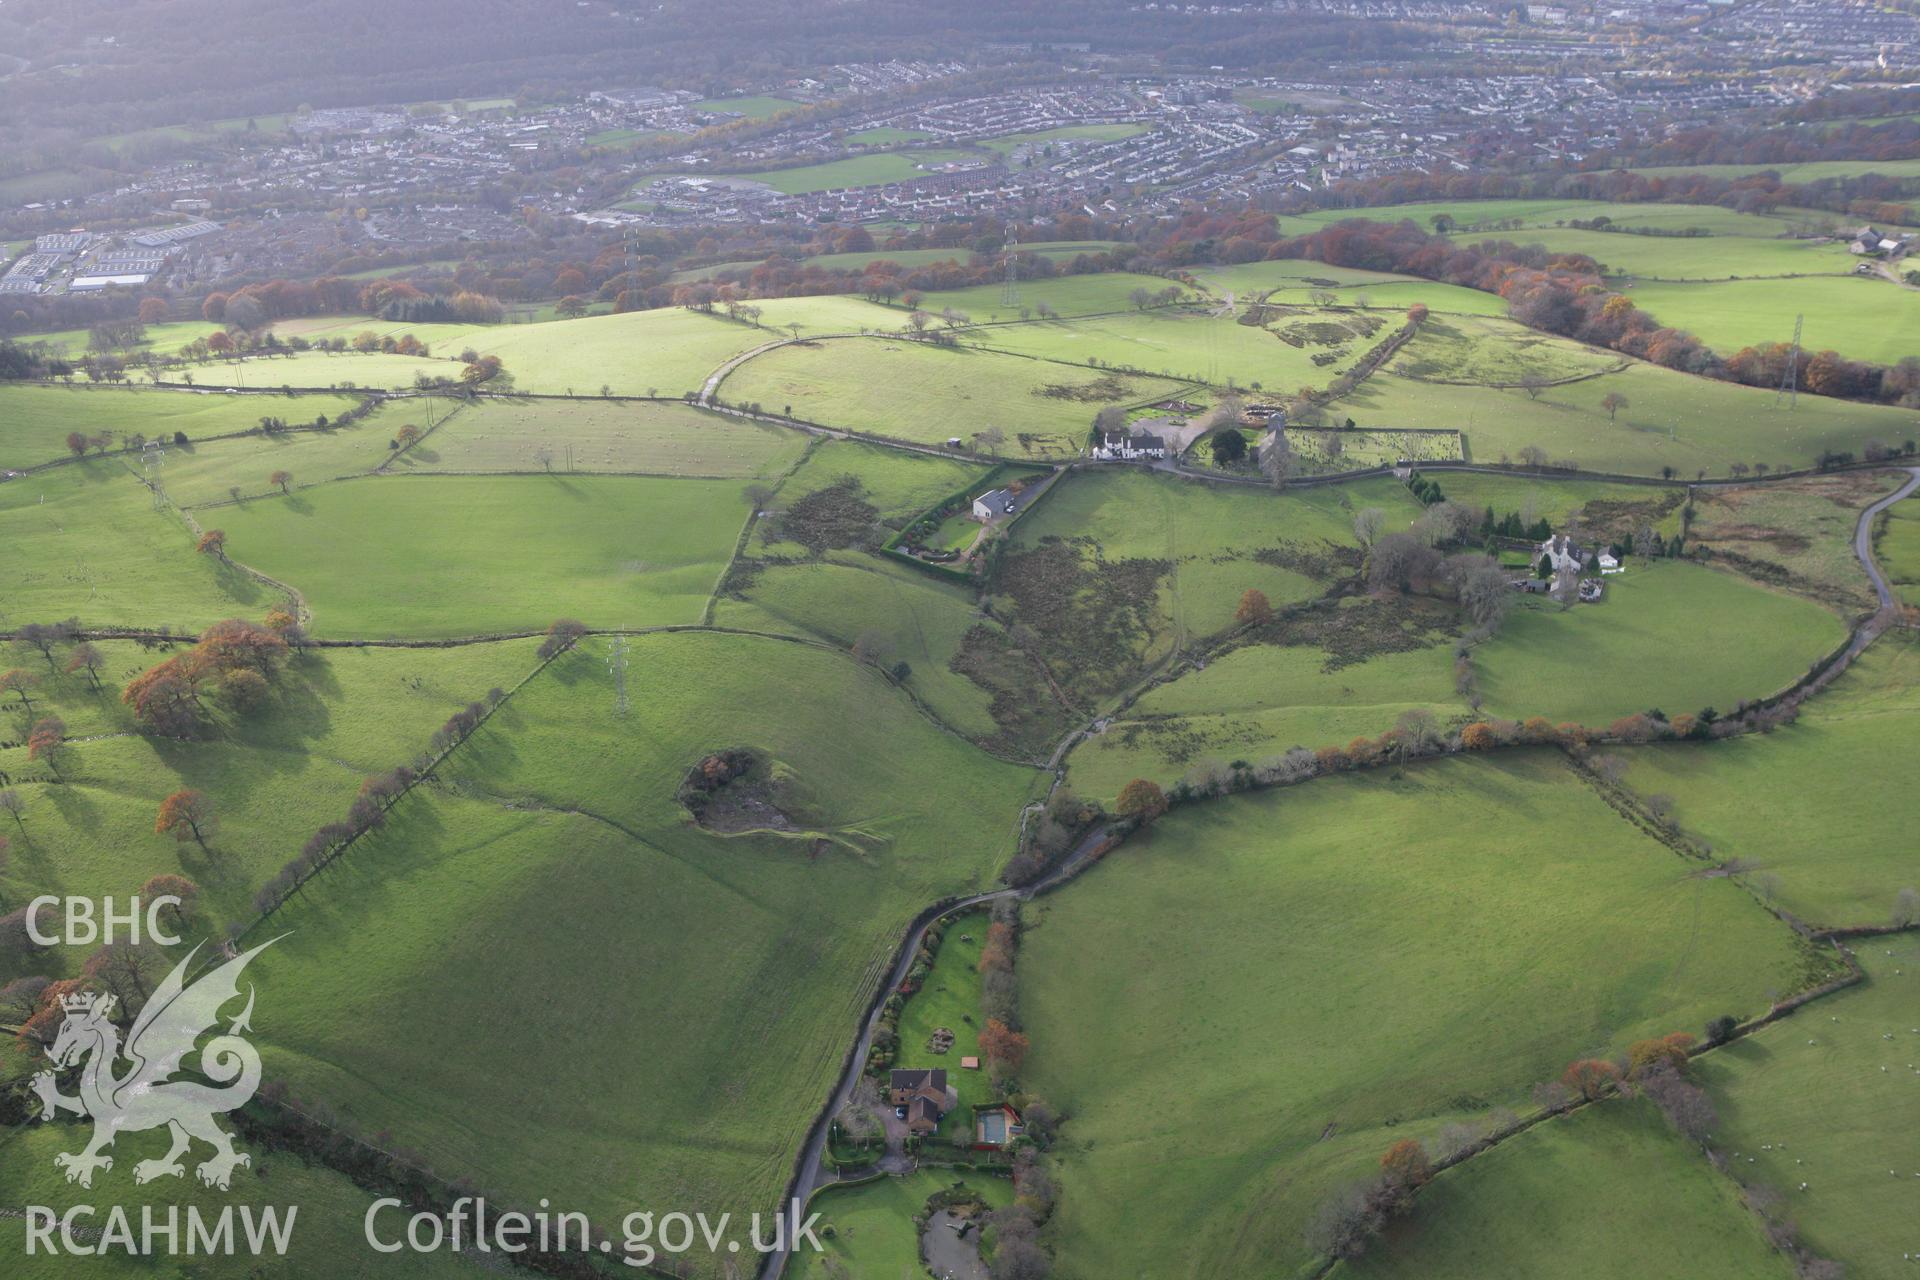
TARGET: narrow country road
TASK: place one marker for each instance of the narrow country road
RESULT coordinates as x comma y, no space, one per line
1863,537
814,1172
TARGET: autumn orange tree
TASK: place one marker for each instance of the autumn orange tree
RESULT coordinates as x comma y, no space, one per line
212,543
280,480
1254,608
1477,736
1142,800
1405,1163
171,886
45,741
1003,1045
1589,1077
998,952
1670,1050
185,815
235,661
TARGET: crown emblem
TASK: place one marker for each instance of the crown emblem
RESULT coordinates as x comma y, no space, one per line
85,1002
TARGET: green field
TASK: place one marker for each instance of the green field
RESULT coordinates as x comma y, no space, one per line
1333,451
35,421
1822,1099
1637,648
1475,217
872,1224
1261,700
899,613
1338,966
1201,346
1115,569
1484,351
754,107
908,258
699,987
1798,805
1898,549
898,484
1082,295
327,1221
163,339
1806,171
1671,420
666,352
1596,507
198,474
1606,1188
86,541
875,169
375,370
1717,257
398,556
625,437
1862,318
1043,410
336,717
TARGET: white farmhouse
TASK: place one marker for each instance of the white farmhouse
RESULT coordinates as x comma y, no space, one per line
1125,446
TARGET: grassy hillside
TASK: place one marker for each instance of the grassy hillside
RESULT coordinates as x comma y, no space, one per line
1340,965
398,557
327,1212
1861,317
336,716
654,438
1799,805
1347,672
1820,1099
699,987
1041,409
1204,346
1638,647
1670,420
35,421
86,541
1606,1187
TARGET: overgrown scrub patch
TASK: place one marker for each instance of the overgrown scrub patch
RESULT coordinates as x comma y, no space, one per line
1092,614
1797,534
742,789
837,515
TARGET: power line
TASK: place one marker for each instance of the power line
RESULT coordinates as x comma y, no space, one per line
1790,376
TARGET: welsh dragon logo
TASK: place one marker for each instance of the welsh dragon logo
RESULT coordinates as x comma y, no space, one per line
145,1096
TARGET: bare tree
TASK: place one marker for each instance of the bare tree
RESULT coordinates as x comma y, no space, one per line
1367,524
